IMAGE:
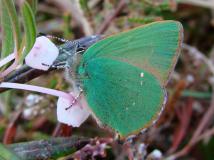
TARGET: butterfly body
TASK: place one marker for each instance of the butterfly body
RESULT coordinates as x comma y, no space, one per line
124,75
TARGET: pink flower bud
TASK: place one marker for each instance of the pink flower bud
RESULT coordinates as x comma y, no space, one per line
42,55
75,115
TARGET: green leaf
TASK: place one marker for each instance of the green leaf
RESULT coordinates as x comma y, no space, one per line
29,27
7,32
33,4
6,100
206,149
6,154
196,94
84,5
11,10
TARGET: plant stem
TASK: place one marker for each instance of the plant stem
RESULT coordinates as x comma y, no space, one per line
37,89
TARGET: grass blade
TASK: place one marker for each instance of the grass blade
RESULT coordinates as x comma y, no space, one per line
6,154
11,11
7,32
33,4
29,27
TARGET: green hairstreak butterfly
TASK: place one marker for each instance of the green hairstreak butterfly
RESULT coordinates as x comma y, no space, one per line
123,76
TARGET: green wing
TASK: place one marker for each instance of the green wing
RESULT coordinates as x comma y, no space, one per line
154,47
124,75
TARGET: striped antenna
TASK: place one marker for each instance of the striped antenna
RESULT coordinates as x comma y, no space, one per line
53,37
57,38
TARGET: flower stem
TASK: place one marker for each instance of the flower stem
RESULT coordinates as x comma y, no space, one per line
7,59
28,87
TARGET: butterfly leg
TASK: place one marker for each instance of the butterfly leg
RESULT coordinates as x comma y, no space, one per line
60,65
75,99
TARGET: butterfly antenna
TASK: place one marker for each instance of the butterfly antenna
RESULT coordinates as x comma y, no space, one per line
57,38
53,37
41,34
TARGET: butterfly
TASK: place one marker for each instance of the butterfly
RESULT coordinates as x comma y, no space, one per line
124,76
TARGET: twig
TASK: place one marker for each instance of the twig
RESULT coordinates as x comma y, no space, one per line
169,109
62,130
48,149
76,11
94,149
11,129
208,133
109,19
184,115
57,130
197,55
202,3
204,122
206,119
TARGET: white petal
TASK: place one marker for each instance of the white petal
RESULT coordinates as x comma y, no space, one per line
75,115
43,54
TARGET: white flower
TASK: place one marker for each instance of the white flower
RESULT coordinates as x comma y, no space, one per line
75,115
43,54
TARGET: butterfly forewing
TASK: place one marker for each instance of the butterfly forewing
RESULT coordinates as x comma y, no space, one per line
154,47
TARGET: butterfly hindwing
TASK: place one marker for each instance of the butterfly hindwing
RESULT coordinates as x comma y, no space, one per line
122,96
